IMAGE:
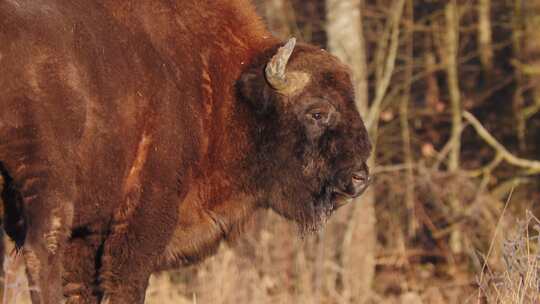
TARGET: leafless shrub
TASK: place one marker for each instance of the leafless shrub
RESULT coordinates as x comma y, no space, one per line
519,281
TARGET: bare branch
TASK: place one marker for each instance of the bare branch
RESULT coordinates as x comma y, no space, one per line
382,87
490,140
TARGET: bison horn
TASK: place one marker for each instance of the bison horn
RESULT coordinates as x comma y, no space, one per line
276,73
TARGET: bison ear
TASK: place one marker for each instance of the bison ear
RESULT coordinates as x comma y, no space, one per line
252,88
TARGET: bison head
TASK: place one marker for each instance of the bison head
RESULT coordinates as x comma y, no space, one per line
311,142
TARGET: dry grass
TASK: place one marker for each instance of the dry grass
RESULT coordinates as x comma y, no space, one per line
14,283
519,280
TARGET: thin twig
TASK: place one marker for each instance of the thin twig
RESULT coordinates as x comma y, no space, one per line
492,243
490,140
382,86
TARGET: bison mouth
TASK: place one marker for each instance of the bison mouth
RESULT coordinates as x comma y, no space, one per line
336,197
325,203
340,199
321,207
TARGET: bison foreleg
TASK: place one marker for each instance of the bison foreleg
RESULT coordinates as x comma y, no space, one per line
132,249
129,259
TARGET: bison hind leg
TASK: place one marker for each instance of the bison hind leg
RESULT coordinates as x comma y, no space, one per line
44,253
37,216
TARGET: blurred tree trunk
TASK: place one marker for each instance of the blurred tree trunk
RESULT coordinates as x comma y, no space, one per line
346,41
452,49
517,102
310,20
357,252
527,52
404,123
484,36
531,50
278,16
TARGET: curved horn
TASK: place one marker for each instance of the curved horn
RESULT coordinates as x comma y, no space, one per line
276,68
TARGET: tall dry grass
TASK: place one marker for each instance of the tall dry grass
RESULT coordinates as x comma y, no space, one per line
519,279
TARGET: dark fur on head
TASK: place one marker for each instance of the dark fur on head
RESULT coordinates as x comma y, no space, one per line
297,162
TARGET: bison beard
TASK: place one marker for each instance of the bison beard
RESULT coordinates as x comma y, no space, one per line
138,135
296,172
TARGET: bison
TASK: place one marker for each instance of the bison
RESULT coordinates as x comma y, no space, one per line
137,135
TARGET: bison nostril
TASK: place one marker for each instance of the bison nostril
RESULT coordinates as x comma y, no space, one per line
352,183
357,178
360,177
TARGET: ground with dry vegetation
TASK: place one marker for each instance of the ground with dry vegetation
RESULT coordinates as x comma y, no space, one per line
268,268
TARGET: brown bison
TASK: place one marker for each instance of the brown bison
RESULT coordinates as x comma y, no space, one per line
137,135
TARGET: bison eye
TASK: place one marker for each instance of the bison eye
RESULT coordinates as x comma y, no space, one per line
319,117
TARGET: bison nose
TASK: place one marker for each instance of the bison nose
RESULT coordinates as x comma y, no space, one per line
353,184
359,182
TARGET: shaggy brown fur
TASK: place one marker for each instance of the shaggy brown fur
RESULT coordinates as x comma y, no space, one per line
136,135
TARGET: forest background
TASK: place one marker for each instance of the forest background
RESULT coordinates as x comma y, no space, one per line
450,93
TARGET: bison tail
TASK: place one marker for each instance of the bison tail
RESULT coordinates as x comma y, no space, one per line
11,209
